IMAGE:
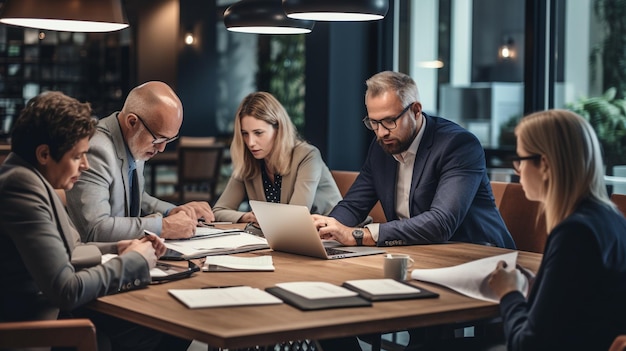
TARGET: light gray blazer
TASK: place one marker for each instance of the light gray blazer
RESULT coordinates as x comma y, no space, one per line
99,203
309,183
37,243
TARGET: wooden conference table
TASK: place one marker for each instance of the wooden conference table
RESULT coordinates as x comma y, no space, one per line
264,325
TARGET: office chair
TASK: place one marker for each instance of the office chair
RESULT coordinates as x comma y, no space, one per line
344,180
77,333
198,170
620,201
521,216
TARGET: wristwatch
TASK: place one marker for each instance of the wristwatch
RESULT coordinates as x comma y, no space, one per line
358,236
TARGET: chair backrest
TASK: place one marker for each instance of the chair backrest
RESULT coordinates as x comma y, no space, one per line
620,201
77,333
199,166
344,180
521,216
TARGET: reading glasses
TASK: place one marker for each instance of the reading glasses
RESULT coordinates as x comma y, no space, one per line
517,161
387,123
157,140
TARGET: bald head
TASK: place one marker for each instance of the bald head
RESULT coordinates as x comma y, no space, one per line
148,97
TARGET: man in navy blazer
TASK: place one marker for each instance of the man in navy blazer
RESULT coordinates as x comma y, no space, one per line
428,173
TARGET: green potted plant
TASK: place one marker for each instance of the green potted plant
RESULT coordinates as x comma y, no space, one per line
607,116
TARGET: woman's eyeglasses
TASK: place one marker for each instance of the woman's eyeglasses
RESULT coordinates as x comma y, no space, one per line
517,161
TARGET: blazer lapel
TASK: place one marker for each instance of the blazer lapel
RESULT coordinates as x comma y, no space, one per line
423,151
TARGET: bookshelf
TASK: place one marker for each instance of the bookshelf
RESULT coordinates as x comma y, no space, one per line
91,67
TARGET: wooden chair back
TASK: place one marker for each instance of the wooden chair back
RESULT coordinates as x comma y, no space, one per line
77,333
344,180
522,217
198,169
620,201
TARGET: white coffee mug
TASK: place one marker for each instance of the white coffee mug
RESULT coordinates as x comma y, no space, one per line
396,266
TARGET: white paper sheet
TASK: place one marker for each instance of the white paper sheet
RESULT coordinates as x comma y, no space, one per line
221,297
316,290
383,286
470,278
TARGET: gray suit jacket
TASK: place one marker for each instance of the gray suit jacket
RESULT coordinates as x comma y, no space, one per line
37,242
308,183
99,203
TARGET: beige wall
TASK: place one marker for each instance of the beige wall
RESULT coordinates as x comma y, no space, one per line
156,44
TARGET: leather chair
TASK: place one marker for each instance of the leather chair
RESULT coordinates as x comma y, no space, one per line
619,344
344,180
523,218
620,201
198,170
77,333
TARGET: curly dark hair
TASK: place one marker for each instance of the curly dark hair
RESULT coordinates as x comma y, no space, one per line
54,119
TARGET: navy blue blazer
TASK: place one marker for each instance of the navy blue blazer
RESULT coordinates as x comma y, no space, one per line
578,299
451,198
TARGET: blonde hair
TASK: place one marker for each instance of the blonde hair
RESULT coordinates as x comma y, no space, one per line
572,151
401,84
263,106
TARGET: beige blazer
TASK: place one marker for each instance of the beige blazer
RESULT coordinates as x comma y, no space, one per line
308,183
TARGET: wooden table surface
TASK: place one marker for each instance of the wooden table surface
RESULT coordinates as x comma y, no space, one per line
263,325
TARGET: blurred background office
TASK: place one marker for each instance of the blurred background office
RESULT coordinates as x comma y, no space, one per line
482,63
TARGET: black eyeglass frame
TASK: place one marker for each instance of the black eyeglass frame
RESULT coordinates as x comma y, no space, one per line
516,161
370,123
156,140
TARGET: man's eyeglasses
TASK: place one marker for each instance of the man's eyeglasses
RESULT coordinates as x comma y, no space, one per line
517,161
157,140
387,123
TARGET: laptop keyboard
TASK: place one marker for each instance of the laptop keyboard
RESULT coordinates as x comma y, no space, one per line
332,251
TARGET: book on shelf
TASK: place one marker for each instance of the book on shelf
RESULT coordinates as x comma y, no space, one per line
228,243
223,297
228,263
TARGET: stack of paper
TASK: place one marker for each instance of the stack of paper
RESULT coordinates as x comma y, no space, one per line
223,297
226,263
226,243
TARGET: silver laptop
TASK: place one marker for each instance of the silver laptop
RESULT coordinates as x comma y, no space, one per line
290,228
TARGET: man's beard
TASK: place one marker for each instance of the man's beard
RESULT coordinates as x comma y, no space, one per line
394,149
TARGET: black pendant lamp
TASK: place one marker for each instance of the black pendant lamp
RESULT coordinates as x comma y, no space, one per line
336,10
263,17
65,15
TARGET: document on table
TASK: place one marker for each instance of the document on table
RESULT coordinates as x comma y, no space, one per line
470,278
316,290
228,263
233,242
224,297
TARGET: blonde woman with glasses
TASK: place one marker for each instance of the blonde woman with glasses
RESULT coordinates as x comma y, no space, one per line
577,300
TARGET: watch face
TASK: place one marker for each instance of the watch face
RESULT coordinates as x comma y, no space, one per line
357,233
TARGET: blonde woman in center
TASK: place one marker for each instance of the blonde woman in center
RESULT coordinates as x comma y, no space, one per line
272,163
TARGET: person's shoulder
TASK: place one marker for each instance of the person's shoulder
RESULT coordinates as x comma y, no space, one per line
305,148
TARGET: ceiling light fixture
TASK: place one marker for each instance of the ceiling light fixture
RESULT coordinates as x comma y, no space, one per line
336,10
65,15
263,17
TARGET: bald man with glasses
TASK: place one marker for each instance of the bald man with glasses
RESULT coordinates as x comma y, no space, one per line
428,173
109,202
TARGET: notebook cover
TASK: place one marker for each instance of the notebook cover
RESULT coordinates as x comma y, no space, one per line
317,304
421,294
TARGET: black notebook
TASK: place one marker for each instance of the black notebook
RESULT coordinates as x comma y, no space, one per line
387,289
306,303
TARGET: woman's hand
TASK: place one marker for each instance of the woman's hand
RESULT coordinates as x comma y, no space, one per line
503,282
248,217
